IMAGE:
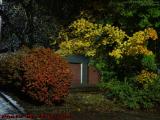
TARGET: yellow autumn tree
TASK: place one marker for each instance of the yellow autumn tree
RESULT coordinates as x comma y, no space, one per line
86,38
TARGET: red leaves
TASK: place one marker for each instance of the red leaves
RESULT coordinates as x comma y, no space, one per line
46,76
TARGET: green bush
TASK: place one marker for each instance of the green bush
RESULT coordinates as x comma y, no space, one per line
130,95
121,92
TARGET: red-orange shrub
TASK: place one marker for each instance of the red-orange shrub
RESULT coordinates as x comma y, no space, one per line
46,76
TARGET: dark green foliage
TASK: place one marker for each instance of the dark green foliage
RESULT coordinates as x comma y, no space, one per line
131,96
127,67
124,88
105,69
121,92
149,63
130,15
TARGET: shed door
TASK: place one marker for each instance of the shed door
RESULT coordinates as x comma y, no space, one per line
76,71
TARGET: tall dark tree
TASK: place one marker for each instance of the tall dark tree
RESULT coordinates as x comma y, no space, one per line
28,23
38,21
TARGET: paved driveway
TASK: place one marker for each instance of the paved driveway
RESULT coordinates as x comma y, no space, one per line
6,107
9,108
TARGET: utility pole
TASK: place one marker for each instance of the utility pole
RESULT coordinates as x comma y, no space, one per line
0,20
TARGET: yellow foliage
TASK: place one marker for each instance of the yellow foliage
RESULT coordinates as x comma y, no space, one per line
117,53
137,44
84,38
146,78
152,33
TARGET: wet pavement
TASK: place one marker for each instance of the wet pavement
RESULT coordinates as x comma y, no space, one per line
8,105
9,108
6,108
